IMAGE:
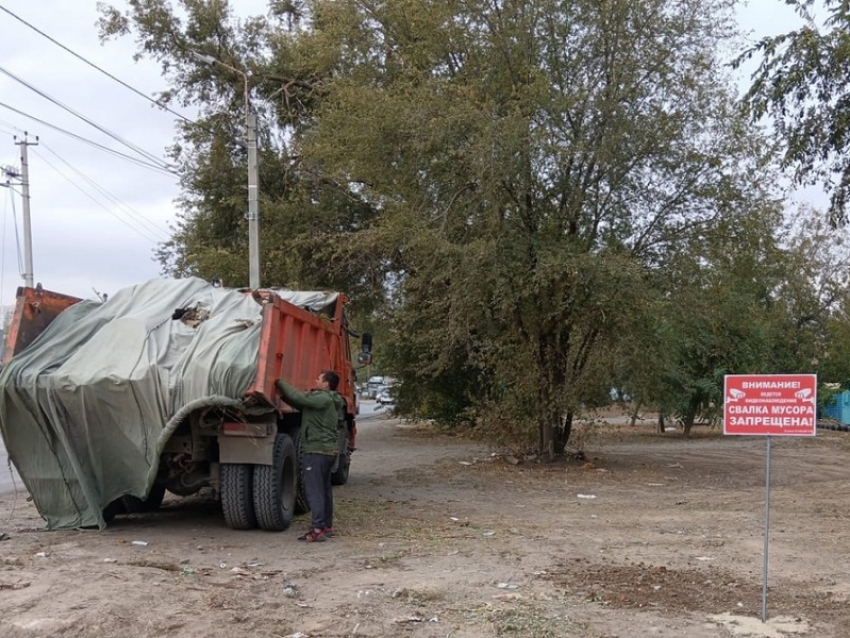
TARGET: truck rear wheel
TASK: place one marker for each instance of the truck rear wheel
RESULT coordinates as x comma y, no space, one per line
275,486
237,498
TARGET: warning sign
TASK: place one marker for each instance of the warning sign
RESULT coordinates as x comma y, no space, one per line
770,404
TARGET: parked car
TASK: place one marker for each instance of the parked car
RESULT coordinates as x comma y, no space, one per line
385,397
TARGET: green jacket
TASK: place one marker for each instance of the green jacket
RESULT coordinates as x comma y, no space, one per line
320,411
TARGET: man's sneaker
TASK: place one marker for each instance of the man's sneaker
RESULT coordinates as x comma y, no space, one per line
313,536
329,532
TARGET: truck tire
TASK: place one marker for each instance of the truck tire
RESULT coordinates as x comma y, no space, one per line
275,487
237,498
301,505
340,475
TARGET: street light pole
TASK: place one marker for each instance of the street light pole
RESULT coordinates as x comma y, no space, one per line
253,176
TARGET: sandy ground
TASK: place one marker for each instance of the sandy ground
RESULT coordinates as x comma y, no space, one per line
650,536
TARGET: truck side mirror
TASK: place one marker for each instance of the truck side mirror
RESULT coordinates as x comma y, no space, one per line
364,358
366,343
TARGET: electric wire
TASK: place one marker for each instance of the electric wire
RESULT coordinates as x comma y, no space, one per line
129,210
149,156
93,65
80,138
10,125
137,216
138,231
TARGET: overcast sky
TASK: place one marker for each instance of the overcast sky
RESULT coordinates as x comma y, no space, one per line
84,239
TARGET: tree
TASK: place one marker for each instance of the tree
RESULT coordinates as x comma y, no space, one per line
531,163
754,296
721,289
813,297
303,214
834,363
802,83
509,177
718,302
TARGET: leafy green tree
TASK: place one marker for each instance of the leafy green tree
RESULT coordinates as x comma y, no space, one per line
813,296
531,163
510,185
834,363
713,313
750,297
303,214
802,84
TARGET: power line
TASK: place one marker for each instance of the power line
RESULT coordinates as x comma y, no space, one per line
138,231
150,156
129,210
80,138
10,125
93,65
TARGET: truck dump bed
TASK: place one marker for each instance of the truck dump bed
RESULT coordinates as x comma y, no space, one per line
302,334
95,390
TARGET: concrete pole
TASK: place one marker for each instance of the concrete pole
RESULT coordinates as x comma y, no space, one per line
253,174
253,203
25,196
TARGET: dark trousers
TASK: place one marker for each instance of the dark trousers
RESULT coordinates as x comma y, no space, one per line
317,487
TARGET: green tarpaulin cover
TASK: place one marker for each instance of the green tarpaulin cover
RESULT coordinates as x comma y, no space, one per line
86,409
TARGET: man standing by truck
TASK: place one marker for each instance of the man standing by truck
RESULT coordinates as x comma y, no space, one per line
320,410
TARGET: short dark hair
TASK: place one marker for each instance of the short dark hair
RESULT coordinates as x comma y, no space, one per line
332,378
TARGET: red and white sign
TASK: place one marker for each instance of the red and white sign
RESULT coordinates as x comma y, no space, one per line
770,404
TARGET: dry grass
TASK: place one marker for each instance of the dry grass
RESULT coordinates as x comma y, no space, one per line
531,618
419,595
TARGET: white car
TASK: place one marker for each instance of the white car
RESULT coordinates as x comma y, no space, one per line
385,397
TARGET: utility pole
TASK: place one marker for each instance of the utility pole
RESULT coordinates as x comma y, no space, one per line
25,196
23,178
253,203
253,173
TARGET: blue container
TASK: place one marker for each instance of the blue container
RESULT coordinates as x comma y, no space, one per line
839,408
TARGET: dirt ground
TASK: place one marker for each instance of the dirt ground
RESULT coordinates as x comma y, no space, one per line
651,535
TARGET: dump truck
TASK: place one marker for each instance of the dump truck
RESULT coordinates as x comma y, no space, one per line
169,386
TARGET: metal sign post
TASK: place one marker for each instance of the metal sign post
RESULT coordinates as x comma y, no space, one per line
769,405
766,535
